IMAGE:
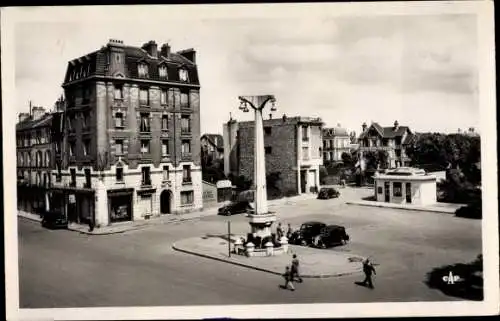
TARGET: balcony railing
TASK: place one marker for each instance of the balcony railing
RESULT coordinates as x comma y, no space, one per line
146,182
187,180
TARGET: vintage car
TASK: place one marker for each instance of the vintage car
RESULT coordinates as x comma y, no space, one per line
54,220
236,207
307,233
331,235
327,193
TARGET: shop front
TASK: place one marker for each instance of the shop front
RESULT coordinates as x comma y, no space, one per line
120,207
78,205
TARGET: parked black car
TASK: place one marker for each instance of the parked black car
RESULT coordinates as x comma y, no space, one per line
54,220
307,233
328,192
237,207
331,235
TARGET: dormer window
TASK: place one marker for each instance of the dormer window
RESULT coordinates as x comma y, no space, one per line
162,71
183,75
143,70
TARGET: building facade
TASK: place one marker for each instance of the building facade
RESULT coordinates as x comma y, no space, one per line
406,185
212,147
394,140
35,148
336,141
293,152
131,139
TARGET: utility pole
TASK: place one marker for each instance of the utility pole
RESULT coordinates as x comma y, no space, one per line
30,108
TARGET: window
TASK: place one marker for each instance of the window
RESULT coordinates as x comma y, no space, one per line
119,174
185,124
184,100
118,92
119,120
170,97
186,147
397,189
379,190
70,123
119,147
267,130
86,95
164,148
164,122
85,121
86,147
162,71
305,153
144,96
163,97
59,174
186,174
187,197
305,136
88,179
145,123
268,150
144,146
143,70
73,177
146,176
166,173
183,75
47,158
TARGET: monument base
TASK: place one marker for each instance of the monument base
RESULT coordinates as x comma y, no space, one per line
261,224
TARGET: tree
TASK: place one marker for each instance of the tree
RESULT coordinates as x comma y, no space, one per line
382,158
371,159
347,159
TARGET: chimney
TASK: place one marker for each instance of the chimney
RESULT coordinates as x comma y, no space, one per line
152,48
284,118
23,116
270,116
364,127
165,50
396,125
38,112
190,54
115,43
338,124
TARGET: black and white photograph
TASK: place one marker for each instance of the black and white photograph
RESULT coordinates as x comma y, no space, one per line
250,161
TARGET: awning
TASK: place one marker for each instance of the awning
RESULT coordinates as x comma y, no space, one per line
120,192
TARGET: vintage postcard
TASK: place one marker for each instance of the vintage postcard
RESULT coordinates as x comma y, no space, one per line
250,161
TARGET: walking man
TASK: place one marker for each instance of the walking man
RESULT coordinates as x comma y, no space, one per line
288,279
295,268
279,231
368,269
289,232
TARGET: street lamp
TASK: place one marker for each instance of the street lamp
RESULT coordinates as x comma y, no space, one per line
261,220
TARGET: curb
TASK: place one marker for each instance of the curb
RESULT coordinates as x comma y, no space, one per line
33,219
321,276
402,208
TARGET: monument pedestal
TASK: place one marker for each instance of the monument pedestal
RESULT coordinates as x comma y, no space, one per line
261,223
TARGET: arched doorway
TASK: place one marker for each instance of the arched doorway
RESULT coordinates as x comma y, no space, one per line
165,202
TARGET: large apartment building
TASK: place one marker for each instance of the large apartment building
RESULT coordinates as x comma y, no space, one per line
393,139
293,148
36,146
336,141
132,135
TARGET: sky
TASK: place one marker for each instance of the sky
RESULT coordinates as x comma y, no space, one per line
419,70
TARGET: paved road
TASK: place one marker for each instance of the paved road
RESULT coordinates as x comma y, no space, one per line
139,268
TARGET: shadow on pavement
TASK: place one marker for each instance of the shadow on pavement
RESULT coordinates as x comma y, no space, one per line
462,280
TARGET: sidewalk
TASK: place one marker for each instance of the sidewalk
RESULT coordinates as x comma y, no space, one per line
314,263
163,219
447,208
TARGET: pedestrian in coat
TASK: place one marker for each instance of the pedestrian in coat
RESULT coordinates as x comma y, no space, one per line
368,269
289,232
288,279
279,231
295,268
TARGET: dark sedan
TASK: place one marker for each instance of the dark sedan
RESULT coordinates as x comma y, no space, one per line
307,233
54,220
331,235
235,208
327,193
